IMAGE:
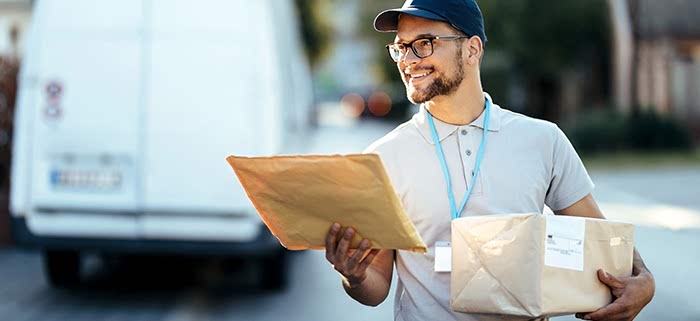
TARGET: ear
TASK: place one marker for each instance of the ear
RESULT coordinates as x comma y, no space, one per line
475,48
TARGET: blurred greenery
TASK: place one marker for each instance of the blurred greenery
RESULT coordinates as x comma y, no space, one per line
315,28
383,67
542,37
537,43
531,44
534,48
606,131
648,159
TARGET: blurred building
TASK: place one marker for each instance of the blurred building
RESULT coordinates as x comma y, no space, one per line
14,21
657,45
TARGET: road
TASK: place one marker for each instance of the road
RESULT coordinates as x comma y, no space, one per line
664,203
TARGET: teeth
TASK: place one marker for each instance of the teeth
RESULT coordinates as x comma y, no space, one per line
421,75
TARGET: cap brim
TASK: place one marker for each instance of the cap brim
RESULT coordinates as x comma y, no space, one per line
388,20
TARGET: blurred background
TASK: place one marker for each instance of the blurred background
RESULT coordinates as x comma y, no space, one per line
116,116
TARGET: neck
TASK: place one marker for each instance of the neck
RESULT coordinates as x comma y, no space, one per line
460,108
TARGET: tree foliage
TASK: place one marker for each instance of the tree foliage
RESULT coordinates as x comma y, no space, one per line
545,36
315,28
531,42
384,67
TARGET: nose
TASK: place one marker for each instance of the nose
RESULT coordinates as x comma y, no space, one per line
409,58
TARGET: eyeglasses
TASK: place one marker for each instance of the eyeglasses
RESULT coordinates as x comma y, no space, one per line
421,47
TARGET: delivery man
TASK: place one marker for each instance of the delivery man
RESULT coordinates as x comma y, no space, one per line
498,160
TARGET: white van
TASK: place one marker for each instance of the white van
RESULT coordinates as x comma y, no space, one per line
127,110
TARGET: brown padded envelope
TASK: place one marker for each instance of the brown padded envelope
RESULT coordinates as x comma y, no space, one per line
299,197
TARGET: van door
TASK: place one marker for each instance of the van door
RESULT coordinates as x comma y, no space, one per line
207,93
87,109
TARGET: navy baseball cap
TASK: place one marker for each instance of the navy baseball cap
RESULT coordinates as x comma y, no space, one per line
464,15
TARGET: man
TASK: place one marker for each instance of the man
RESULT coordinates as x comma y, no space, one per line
524,164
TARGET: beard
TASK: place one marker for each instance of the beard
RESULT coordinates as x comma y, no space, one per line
443,85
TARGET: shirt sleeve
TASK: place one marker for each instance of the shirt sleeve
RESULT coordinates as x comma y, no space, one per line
569,182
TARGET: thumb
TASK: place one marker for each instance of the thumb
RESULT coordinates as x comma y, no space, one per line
609,279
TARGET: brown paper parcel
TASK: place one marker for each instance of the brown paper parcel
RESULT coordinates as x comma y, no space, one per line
515,265
299,197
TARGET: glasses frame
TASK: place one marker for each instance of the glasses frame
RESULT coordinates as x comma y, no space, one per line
415,52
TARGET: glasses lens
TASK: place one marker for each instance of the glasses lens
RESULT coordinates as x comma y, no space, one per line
423,48
395,51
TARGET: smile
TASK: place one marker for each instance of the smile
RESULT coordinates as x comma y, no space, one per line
419,77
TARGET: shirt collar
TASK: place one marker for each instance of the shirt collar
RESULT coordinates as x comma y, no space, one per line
444,129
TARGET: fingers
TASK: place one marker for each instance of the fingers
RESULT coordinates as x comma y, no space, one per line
357,256
623,308
368,260
613,311
332,242
341,256
348,262
609,280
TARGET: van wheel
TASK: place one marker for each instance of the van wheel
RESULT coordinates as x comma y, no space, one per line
62,268
274,272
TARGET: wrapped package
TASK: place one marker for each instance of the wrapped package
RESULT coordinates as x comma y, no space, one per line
536,265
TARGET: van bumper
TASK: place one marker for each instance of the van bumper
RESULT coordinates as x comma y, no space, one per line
264,245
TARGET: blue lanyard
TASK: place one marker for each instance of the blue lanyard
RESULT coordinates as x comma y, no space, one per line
441,155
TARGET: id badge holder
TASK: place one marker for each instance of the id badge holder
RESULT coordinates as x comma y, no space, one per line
443,257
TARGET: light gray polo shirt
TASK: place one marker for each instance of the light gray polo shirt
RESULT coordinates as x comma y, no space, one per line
527,163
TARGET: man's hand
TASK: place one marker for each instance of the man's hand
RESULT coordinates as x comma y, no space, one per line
631,295
350,265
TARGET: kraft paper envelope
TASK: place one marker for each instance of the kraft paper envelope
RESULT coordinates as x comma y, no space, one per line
536,265
299,197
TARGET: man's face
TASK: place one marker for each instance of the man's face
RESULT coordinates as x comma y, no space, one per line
436,75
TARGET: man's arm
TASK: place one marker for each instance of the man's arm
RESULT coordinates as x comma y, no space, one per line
366,273
632,293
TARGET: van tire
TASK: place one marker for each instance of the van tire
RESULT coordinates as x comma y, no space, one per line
274,272
62,268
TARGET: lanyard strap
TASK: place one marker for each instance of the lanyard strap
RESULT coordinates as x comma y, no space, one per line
441,156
